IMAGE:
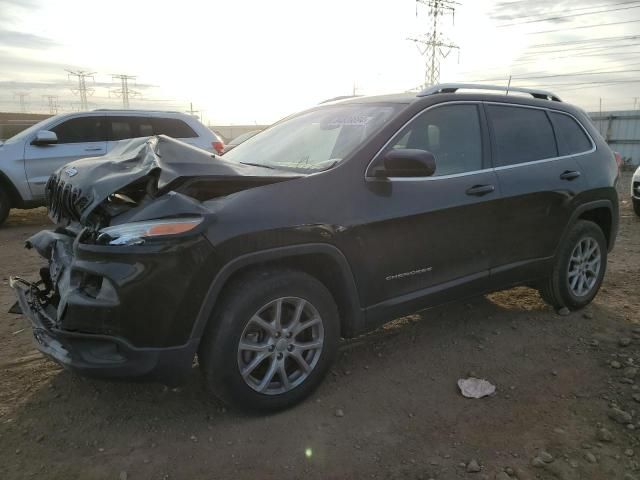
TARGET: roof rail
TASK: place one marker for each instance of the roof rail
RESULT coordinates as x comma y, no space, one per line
133,110
453,87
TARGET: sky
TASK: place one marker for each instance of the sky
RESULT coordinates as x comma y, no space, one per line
253,62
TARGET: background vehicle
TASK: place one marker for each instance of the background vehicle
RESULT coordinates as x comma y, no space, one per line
327,224
239,139
635,191
30,157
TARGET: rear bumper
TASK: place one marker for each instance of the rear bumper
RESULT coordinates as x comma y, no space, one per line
98,355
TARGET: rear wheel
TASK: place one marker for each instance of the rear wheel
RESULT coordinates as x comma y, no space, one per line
636,206
5,205
271,341
579,268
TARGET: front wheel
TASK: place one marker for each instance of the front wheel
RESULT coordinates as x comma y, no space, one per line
579,268
271,341
636,206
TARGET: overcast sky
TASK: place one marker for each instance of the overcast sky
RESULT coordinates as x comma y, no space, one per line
254,61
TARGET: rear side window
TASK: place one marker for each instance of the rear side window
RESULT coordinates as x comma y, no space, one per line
451,133
521,135
121,128
81,130
571,137
172,127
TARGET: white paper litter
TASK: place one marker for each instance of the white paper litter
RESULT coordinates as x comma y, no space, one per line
475,387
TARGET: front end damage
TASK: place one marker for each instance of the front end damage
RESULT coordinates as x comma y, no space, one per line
128,265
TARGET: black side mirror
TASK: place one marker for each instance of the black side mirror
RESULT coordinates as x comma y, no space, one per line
406,162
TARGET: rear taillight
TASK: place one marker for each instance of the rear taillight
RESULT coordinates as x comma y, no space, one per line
218,147
618,159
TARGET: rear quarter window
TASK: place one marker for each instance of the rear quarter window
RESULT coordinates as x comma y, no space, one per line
571,137
172,127
521,134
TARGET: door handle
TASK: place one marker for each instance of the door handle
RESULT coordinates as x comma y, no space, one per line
93,149
569,175
480,190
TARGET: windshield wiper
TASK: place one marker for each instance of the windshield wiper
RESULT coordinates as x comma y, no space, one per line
257,165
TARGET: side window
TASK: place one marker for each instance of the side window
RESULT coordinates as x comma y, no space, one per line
81,130
121,128
172,128
451,133
571,137
521,134
145,128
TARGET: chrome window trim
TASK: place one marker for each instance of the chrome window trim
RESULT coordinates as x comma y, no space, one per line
484,170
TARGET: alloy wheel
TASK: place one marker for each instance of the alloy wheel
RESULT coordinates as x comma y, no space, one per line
280,345
584,266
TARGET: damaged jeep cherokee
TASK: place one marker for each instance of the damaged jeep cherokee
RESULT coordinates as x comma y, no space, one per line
325,225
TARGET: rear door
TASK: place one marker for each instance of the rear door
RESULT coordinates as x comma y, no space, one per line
78,137
539,177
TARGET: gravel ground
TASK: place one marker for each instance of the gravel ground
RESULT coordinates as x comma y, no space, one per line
566,406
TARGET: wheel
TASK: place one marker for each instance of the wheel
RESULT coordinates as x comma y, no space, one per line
579,268
5,205
271,341
636,206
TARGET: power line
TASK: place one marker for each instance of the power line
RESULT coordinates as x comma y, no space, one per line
82,89
434,46
583,48
124,91
574,9
561,75
547,19
583,26
598,40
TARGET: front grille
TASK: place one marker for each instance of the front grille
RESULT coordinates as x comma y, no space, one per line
64,201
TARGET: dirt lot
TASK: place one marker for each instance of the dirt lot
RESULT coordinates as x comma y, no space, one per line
403,417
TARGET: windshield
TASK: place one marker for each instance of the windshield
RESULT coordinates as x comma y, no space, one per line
314,140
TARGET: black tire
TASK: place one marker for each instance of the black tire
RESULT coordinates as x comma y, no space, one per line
5,205
218,353
636,206
556,290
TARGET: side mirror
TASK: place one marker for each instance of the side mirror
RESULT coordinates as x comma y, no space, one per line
406,162
45,137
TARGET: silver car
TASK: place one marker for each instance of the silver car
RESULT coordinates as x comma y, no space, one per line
30,157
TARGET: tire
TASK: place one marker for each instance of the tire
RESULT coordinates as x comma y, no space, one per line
636,206
258,295
564,289
5,205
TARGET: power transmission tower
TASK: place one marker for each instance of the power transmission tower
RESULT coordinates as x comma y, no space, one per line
52,101
23,103
434,46
124,91
82,89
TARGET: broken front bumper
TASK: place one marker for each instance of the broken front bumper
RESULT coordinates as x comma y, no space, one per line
97,355
123,311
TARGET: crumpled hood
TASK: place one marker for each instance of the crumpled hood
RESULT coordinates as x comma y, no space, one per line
142,169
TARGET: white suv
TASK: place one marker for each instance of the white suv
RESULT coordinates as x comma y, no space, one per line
30,157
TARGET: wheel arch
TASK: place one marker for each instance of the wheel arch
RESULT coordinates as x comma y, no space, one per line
603,214
323,261
14,195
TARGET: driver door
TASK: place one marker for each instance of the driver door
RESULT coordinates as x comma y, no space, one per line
436,232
